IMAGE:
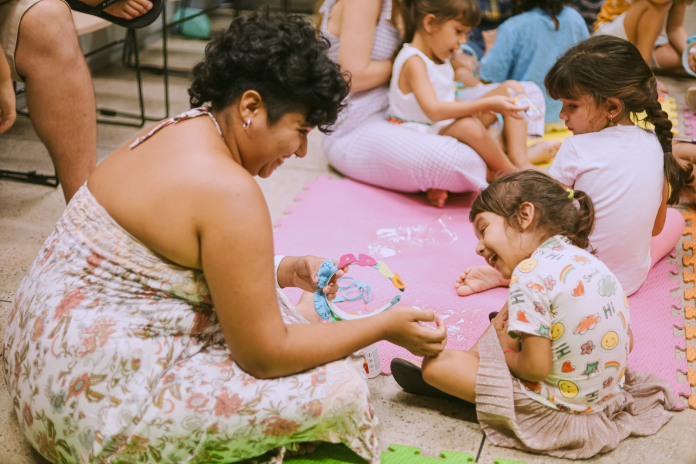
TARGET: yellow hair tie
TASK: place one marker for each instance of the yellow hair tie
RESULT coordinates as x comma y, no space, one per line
669,190
571,193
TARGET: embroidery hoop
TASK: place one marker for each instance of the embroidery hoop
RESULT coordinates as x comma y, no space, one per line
327,309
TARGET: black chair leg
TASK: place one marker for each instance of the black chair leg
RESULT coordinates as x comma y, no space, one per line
30,177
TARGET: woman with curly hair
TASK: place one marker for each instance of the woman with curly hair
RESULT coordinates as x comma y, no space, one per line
151,326
527,45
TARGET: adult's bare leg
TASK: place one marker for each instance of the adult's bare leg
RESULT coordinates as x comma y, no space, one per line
59,91
644,22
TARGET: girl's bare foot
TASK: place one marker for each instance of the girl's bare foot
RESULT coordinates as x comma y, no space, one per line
544,151
129,9
478,279
304,448
306,308
437,197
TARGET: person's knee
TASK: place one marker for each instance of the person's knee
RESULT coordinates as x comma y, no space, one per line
514,85
470,125
433,367
47,33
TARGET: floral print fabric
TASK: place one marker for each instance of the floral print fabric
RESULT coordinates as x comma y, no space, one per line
567,295
113,355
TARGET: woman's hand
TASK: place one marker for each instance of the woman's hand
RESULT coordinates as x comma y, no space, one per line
403,327
304,275
503,105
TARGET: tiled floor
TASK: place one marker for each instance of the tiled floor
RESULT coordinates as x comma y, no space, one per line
28,213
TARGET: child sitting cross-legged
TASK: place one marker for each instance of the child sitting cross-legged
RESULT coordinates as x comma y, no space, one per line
550,375
422,89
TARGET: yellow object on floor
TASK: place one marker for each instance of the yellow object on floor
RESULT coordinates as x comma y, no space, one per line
669,106
553,132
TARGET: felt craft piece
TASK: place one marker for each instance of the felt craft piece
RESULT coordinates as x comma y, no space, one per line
346,260
327,308
326,271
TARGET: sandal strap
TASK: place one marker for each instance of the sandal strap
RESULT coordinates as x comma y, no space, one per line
91,10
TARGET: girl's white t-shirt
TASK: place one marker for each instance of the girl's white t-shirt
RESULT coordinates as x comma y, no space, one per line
406,107
621,168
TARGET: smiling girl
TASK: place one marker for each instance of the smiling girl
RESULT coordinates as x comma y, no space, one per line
422,92
550,375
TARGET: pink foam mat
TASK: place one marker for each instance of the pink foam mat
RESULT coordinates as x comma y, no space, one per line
428,248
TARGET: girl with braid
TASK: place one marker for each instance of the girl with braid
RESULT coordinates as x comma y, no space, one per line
629,172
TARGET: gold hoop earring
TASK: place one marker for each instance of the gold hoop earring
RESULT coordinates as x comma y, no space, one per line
247,123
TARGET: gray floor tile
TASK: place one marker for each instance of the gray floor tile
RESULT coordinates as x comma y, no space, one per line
673,444
433,425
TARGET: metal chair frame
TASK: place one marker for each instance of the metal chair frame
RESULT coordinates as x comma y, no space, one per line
130,49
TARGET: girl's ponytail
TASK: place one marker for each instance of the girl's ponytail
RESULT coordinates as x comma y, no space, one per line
556,210
584,221
679,177
409,19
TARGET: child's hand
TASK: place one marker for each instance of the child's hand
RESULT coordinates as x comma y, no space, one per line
500,322
692,58
403,327
489,38
462,60
504,105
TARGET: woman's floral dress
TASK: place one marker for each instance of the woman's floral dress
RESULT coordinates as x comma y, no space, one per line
113,355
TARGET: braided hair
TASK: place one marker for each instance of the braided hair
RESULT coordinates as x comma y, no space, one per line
606,67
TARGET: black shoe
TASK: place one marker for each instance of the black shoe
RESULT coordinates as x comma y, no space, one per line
410,378
492,315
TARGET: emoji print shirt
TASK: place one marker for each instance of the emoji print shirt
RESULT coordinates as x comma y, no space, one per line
565,294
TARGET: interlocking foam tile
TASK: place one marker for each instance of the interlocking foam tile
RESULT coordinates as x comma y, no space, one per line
429,247
690,293
689,122
690,354
339,454
654,327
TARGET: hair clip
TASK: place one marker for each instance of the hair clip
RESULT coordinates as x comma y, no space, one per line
571,193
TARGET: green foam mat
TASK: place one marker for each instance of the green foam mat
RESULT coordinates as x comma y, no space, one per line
327,453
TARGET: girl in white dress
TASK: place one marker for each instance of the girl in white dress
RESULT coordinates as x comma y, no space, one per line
422,93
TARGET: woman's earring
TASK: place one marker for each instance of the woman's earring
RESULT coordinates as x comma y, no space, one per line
247,123
611,120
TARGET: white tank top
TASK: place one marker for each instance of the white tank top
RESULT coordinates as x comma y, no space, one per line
406,107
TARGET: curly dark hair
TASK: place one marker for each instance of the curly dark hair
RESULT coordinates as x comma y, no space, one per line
553,7
282,58
604,67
